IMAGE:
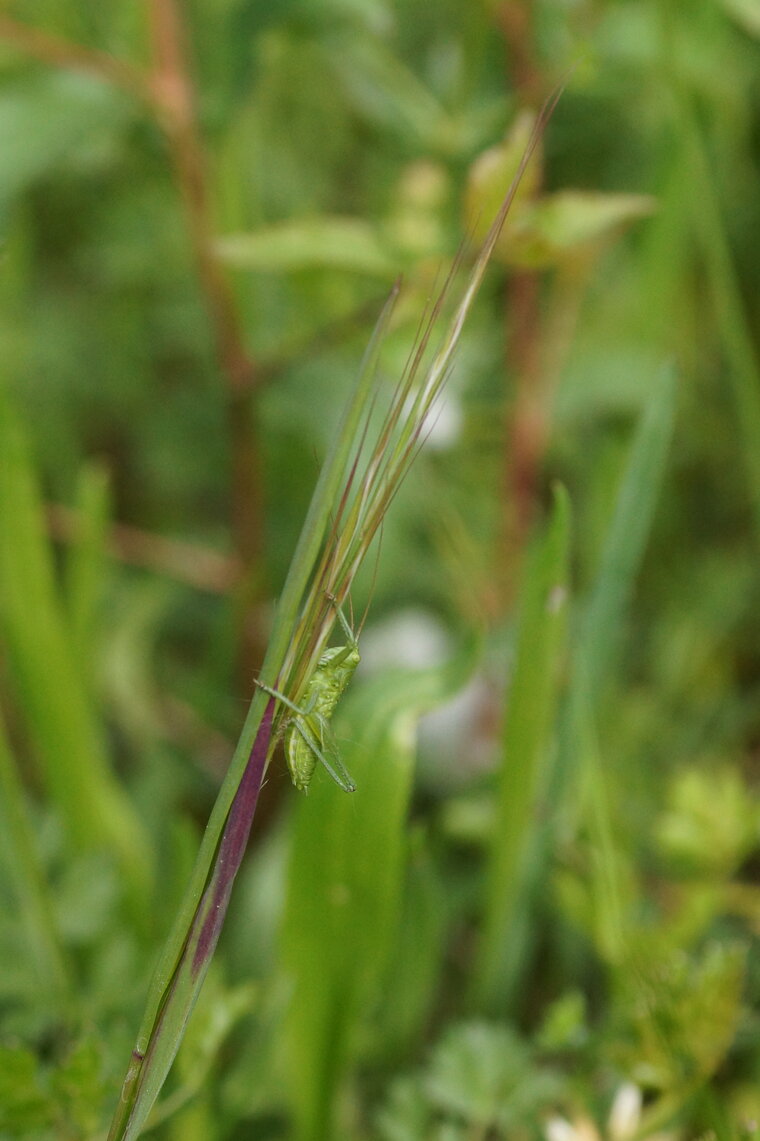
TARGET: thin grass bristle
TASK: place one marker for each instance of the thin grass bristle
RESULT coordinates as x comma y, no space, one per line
370,484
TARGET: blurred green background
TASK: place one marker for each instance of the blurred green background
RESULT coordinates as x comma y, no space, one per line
543,915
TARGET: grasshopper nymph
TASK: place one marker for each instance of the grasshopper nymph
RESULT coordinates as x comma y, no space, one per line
308,735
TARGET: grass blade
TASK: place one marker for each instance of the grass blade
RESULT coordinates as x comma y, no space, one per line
32,892
56,707
626,541
153,1056
86,562
732,320
528,734
596,647
346,880
307,550
345,512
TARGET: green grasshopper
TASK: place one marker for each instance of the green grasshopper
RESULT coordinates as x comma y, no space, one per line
308,735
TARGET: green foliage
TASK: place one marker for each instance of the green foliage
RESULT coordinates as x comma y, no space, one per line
527,740
544,231
51,687
481,1080
38,1101
53,120
345,881
683,1017
342,243
711,823
538,916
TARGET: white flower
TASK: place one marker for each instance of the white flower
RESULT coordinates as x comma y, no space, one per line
622,1124
625,1113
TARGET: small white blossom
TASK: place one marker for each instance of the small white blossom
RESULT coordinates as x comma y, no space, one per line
625,1113
623,1122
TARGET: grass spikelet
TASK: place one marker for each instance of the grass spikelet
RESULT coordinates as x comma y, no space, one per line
360,477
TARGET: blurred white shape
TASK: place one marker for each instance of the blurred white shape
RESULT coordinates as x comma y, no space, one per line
411,638
625,1112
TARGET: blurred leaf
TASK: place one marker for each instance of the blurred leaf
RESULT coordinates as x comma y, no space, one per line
746,13
567,223
594,658
32,902
339,243
712,823
406,1114
493,171
528,732
218,1012
85,568
382,86
47,118
417,960
39,1101
564,1024
736,337
25,1108
486,1075
608,878
541,230
684,1014
481,1079
57,708
416,223
626,539
77,1088
345,881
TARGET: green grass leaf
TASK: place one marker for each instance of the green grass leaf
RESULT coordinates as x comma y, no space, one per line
55,704
33,901
345,882
350,244
528,731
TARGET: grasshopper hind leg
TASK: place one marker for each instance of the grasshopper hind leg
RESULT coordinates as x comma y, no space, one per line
320,749
299,732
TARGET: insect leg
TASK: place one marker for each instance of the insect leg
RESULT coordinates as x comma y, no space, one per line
302,712
334,766
345,625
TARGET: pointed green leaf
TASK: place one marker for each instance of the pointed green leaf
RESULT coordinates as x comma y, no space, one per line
324,243
528,731
569,222
55,703
346,878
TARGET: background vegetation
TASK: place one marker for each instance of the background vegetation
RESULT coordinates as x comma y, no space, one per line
539,918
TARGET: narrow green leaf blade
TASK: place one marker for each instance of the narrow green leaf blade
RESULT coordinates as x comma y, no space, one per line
346,879
86,563
56,706
597,641
626,539
307,550
349,244
156,1049
528,732
32,892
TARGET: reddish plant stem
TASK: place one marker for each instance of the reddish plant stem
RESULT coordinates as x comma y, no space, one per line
59,52
174,95
525,427
515,19
169,93
189,563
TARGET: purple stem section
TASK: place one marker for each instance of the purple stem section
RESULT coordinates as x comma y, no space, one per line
216,897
